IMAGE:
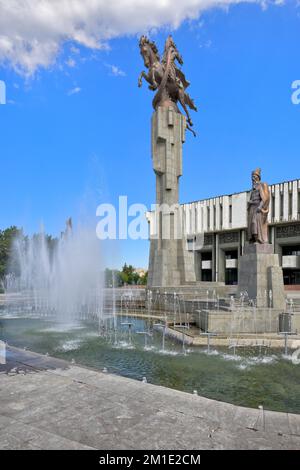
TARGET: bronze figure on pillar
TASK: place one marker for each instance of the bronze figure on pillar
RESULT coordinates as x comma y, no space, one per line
170,263
258,210
165,77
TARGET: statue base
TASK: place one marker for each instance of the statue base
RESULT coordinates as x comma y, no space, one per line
260,275
166,104
170,265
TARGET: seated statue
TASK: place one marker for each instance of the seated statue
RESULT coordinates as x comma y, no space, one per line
258,210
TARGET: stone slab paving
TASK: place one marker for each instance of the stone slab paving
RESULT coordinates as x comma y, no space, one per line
46,403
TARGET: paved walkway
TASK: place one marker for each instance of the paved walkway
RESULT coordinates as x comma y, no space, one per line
46,403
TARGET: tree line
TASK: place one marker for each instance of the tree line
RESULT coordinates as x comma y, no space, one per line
7,237
127,276
8,265
8,262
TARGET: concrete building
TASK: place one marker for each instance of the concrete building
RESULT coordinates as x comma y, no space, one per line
215,229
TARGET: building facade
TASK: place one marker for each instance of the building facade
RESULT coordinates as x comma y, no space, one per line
215,231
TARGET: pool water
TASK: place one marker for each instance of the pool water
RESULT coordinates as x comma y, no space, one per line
249,379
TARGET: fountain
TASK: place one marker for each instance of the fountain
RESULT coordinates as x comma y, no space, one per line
129,326
116,337
62,280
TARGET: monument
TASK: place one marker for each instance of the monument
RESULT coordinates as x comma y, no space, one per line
260,272
170,264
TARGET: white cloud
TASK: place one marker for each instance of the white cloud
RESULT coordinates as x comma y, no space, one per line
75,50
32,32
70,62
206,45
74,91
115,70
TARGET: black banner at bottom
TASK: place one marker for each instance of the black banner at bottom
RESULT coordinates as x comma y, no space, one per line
138,458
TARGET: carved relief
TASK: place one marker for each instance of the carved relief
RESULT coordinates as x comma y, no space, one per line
288,231
229,237
208,239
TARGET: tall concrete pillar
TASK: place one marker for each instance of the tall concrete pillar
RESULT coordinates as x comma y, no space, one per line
170,264
222,265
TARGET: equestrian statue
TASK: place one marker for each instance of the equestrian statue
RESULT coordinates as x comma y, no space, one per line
165,77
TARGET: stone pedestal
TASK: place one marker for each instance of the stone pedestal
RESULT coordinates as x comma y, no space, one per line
260,273
170,264
242,321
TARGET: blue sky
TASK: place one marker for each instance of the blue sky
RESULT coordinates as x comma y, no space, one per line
77,132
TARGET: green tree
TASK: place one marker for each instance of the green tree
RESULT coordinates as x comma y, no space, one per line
8,260
124,278
8,264
112,277
144,279
128,274
7,237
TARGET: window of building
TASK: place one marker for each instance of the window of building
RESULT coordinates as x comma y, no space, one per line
190,244
231,272
231,277
206,274
221,215
290,204
206,256
230,213
291,277
281,205
232,254
293,250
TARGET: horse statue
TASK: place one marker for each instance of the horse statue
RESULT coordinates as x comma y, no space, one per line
165,77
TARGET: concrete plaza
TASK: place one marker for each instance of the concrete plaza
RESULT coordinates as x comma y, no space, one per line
47,403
